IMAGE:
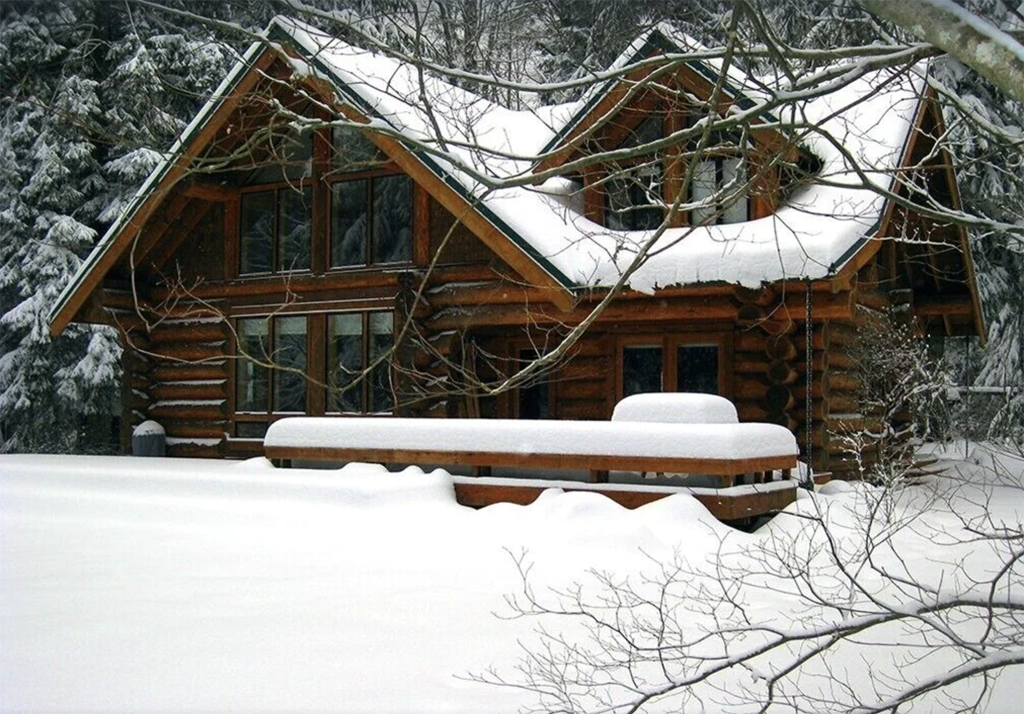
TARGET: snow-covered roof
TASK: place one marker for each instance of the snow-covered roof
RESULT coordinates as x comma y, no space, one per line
471,143
811,236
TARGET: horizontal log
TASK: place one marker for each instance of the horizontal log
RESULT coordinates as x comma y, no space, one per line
187,371
819,390
819,439
191,351
195,429
488,293
943,305
840,381
347,279
873,299
844,403
192,389
188,410
189,332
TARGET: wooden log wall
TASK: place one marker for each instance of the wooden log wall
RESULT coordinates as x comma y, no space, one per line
177,374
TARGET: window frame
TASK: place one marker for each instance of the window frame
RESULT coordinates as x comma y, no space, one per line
719,158
515,361
364,397
317,388
269,415
669,343
278,188
388,170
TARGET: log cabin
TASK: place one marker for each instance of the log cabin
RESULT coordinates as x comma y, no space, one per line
339,233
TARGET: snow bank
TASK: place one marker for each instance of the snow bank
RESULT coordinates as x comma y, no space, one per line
688,441
676,408
188,585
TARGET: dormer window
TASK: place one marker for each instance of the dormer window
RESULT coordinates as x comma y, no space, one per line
719,177
636,193
634,190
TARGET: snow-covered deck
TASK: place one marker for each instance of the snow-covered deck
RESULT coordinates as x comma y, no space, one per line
727,452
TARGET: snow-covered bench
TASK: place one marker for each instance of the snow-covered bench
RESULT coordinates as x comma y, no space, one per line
720,449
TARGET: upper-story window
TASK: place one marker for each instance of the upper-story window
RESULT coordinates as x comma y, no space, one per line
634,190
371,215
635,187
275,219
720,181
275,230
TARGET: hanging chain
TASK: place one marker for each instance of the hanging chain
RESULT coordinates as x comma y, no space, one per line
809,367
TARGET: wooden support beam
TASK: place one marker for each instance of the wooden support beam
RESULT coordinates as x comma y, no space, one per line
206,191
943,305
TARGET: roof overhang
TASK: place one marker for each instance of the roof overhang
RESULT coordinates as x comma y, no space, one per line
243,77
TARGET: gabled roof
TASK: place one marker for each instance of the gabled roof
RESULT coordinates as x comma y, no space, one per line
812,236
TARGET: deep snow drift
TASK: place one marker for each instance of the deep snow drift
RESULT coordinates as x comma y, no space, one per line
185,585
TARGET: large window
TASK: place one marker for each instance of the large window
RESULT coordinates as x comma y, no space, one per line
270,372
371,221
679,363
357,341
275,230
275,375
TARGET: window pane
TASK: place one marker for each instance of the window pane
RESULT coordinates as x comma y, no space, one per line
392,220
650,129
704,186
296,220
647,213
697,368
534,400
344,362
251,429
257,232
290,363
633,200
252,381
618,203
732,169
381,340
289,156
348,223
641,369
353,151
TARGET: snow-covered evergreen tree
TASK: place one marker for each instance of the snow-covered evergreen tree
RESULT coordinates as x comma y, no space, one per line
91,96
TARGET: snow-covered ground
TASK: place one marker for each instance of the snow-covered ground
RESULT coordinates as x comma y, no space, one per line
186,585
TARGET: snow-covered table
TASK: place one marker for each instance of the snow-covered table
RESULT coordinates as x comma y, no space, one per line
724,450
